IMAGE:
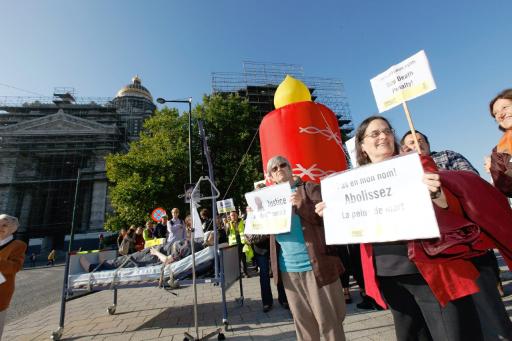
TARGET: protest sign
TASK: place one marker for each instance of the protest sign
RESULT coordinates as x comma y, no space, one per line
271,210
403,82
225,206
381,202
350,145
188,192
260,184
196,223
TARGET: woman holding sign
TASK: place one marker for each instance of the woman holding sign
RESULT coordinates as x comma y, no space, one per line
411,288
301,259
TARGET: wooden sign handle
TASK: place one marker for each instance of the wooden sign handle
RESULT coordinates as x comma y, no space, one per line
411,126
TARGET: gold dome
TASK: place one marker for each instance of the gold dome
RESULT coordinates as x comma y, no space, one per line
135,89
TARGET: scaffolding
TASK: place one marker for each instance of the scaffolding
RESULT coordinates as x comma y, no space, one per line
45,141
259,80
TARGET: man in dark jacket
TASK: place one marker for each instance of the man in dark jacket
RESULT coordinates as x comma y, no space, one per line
309,272
161,228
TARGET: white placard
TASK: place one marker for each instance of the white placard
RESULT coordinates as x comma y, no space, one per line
350,144
196,223
225,206
271,210
403,82
385,201
260,184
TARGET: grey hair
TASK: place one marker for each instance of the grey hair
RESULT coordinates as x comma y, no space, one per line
276,161
11,221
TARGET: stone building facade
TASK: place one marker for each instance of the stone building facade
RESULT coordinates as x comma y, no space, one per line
43,146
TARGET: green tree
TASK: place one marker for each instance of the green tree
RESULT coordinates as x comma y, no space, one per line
231,125
147,176
153,172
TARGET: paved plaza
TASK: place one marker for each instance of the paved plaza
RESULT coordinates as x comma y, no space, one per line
156,314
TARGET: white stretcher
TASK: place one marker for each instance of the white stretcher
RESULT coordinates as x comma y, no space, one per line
78,278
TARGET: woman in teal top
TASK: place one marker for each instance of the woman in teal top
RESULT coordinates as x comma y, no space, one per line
301,259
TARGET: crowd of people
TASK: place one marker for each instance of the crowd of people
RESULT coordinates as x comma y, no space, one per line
454,293
446,296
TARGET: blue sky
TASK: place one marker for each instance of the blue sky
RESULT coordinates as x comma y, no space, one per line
97,46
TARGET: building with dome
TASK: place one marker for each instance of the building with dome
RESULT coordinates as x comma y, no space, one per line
45,142
134,104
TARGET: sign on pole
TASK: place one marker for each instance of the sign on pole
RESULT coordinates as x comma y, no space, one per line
157,214
381,202
403,82
196,221
350,144
271,210
188,192
225,206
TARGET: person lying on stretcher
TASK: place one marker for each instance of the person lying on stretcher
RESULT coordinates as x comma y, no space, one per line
166,253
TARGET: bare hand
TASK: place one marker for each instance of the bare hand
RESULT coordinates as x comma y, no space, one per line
295,199
487,163
319,208
433,182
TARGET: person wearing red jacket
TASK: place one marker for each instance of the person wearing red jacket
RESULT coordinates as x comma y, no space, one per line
12,255
428,299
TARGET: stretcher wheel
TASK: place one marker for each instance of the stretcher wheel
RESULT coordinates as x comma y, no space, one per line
173,284
240,300
56,335
221,337
112,309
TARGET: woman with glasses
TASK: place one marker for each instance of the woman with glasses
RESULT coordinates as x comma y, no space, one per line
501,157
303,262
407,286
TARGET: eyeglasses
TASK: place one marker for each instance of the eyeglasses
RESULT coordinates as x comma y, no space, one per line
376,133
499,115
276,168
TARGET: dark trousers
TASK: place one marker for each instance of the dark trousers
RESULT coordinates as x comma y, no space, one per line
243,259
419,316
266,292
493,316
350,256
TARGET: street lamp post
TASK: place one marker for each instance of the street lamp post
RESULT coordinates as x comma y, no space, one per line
81,173
189,101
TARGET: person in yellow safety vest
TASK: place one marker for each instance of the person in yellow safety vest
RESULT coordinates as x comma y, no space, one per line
235,231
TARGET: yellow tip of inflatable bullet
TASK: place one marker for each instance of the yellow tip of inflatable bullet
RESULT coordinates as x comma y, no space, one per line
291,90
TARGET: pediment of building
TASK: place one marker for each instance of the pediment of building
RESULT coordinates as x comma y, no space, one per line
59,123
